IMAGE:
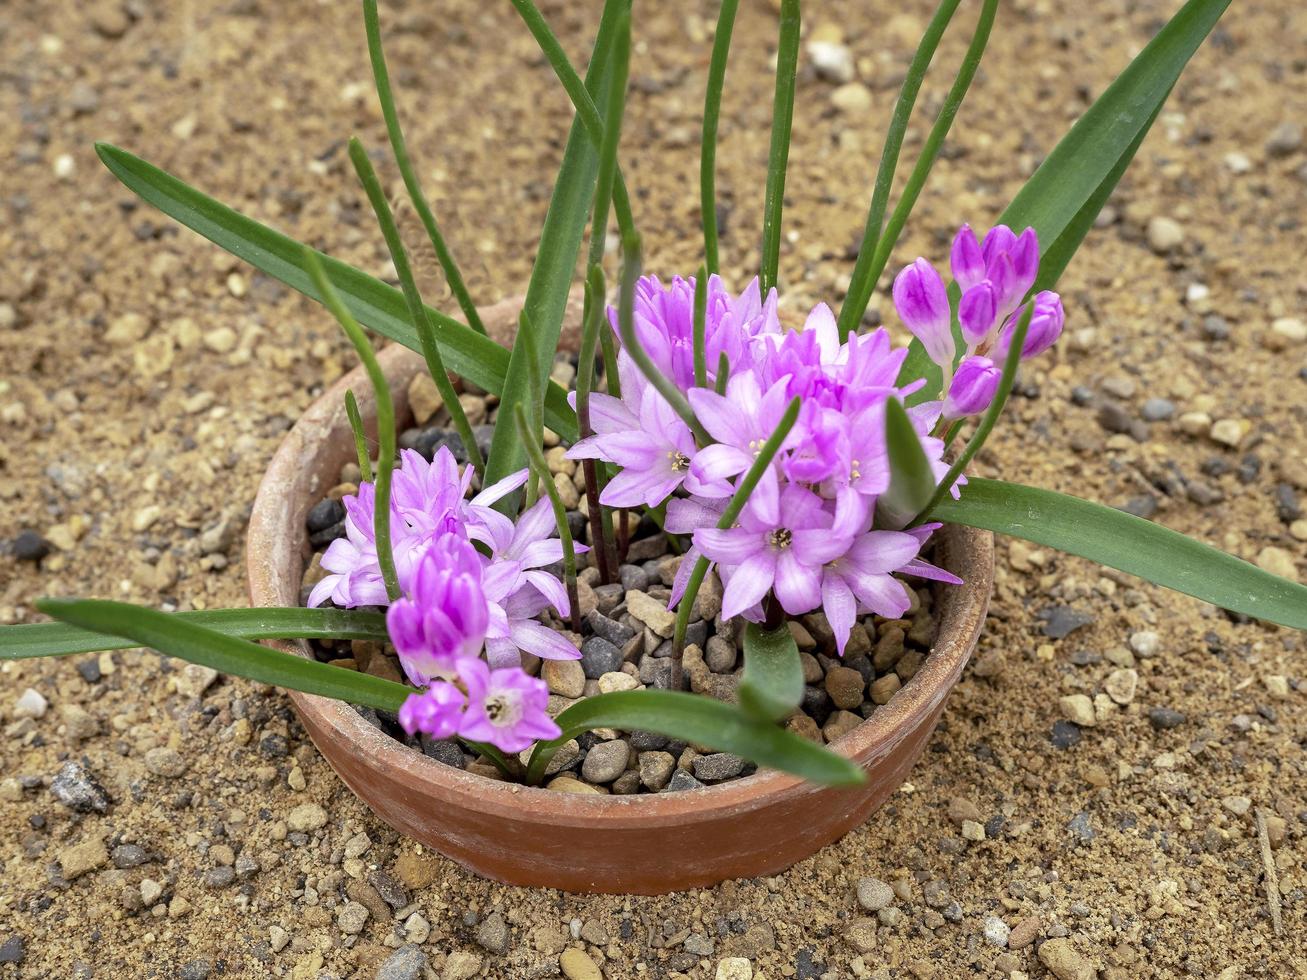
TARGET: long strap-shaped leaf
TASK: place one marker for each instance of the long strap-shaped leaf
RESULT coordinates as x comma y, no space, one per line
701,720
376,305
1130,544
1063,196
59,639
551,276
188,640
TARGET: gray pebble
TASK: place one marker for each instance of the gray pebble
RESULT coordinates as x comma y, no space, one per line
12,950
1285,139
196,970
1157,409
1080,826
682,780
129,856
406,963
646,741
492,935
606,761
219,877
618,634
77,789
717,767
1163,718
1061,621
599,657
633,577
444,751
389,888
29,546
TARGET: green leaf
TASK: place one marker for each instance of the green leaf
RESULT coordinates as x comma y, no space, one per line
1129,544
59,639
772,685
556,254
381,78
911,481
375,305
862,282
1062,197
712,110
787,60
703,721
188,640
988,420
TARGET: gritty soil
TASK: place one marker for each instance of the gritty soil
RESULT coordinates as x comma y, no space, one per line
148,377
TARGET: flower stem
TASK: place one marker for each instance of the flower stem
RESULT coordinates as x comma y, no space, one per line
381,76
862,282
591,324
729,516
626,326
416,309
360,438
701,328
988,420
536,459
385,418
787,60
930,150
712,108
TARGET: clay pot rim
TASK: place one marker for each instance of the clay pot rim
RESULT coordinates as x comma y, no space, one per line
286,479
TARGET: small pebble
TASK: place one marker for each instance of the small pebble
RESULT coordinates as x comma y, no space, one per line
874,894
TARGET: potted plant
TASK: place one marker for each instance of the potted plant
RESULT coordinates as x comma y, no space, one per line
496,646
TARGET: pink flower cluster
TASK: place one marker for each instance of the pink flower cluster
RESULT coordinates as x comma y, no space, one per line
811,535
457,601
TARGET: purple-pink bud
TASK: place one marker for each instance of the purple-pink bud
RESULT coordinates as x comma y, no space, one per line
966,260
1025,258
977,311
973,387
436,712
1045,326
998,240
922,303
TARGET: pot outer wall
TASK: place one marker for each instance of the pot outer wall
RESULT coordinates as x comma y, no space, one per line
642,844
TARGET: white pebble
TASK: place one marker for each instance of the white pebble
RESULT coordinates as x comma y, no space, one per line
30,704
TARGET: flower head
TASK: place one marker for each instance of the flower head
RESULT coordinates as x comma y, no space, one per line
442,618
505,707
436,712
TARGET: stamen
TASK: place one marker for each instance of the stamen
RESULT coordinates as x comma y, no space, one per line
780,538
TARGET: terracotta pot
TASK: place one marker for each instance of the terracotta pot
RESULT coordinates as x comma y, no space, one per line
525,836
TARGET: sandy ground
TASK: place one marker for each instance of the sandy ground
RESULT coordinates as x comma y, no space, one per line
147,377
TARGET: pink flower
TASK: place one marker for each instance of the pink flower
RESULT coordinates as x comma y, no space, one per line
442,618
781,548
643,435
437,711
505,707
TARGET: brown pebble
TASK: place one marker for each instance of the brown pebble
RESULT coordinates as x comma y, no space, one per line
844,685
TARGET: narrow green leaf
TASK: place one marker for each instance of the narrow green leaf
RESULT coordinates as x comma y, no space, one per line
614,110
60,639
385,420
862,282
360,437
556,255
772,685
381,75
700,328
911,482
787,61
375,305
1062,197
712,110
417,310
921,169
601,524
1128,544
703,721
188,640
988,420
1110,128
